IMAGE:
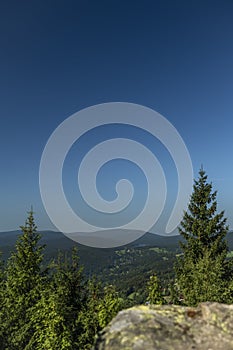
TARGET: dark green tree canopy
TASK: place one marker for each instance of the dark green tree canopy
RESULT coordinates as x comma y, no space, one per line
202,227
202,270
23,280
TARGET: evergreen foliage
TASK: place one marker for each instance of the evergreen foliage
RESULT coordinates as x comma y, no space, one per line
2,290
154,291
56,312
87,319
101,306
202,270
109,305
23,280
54,307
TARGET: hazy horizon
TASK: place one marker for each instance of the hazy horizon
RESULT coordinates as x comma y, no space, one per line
59,58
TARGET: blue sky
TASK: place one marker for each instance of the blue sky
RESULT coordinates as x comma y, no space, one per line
58,57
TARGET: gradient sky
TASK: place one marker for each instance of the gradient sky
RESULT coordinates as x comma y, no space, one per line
58,57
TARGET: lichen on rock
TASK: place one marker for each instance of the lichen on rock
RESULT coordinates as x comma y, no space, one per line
168,327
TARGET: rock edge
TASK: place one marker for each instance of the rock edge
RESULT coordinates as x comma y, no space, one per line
168,327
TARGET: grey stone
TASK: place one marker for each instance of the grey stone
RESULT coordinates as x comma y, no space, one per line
167,327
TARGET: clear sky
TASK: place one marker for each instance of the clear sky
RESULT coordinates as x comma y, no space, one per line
58,57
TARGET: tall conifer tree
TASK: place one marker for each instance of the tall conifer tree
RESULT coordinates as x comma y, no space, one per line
24,277
202,268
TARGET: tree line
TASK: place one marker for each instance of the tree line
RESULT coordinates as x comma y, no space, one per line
50,307
54,306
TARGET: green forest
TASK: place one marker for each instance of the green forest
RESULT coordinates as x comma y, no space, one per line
61,300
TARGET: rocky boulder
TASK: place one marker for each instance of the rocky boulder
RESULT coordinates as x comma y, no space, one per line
167,327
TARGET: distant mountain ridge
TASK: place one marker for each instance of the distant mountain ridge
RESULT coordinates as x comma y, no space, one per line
56,240
129,265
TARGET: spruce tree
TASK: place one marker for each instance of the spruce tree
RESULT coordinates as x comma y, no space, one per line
155,291
102,304
202,268
110,304
88,320
24,277
61,302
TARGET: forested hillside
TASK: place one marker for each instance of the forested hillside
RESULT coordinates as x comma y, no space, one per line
57,294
